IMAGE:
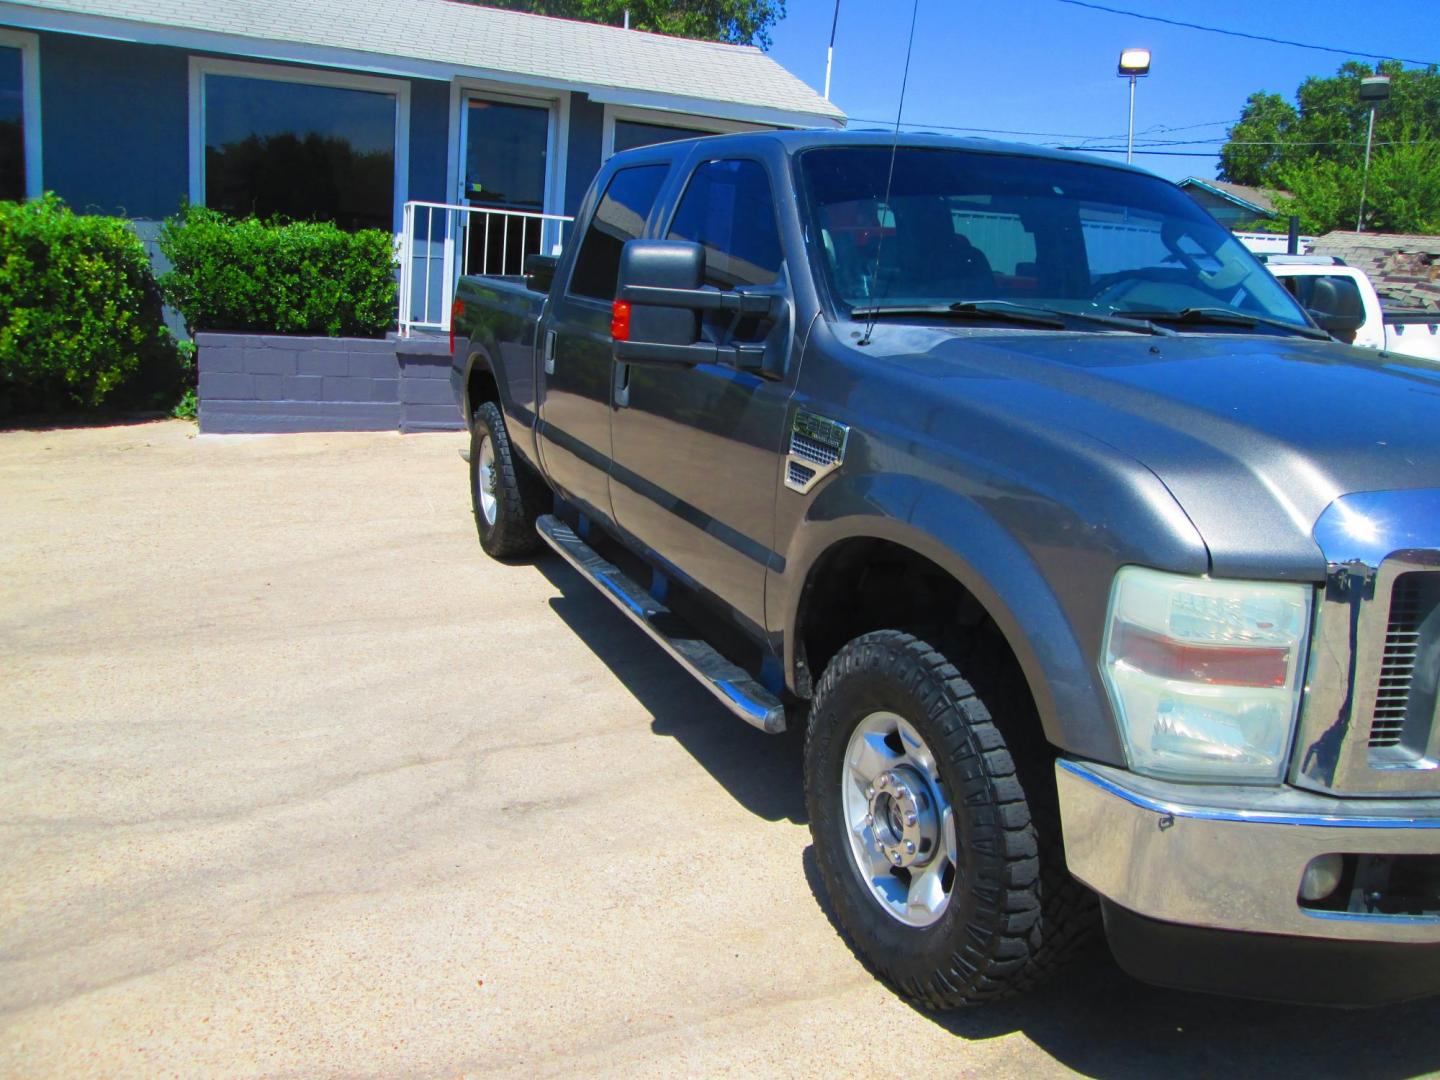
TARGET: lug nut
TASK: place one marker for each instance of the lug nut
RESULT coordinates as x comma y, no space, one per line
910,818
895,857
909,847
870,820
869,793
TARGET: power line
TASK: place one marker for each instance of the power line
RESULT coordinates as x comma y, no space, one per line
1240,33
984,130
1121,150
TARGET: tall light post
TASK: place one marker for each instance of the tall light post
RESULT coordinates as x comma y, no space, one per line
1134,64
1373,89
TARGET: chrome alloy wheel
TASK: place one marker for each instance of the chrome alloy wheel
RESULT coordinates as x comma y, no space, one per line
486,479
902,829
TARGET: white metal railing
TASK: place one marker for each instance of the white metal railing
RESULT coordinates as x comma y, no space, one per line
439,242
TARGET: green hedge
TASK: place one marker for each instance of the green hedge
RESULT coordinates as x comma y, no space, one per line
266,277
80,315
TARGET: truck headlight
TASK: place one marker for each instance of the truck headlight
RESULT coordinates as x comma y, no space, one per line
1205,674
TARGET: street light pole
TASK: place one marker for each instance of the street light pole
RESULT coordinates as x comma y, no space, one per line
1374,89
1134,64
1130,136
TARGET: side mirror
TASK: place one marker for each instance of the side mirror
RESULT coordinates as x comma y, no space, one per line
657,334
659,297
1333,322
539,271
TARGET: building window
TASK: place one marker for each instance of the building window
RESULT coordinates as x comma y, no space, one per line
631,134
628,128
19,116
307,148
12,124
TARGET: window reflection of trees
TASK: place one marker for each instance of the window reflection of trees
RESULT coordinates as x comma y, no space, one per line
12,160
310,178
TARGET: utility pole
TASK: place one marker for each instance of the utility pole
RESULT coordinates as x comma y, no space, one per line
1374,89
830,52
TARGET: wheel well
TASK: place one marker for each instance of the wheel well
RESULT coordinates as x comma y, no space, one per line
866,584
481,388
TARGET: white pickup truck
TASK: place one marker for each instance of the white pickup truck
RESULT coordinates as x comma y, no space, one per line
1342,300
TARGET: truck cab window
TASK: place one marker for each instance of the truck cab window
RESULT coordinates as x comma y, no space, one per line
620,216
943,226
728,208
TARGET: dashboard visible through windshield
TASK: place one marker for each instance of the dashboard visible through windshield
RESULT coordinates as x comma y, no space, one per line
964,227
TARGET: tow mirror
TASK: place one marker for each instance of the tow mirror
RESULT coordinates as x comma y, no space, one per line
659,297
1333,322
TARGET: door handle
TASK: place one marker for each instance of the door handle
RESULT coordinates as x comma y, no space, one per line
549,351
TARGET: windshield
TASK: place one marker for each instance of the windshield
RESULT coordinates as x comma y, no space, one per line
962,226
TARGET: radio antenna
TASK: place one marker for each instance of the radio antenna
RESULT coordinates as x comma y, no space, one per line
890,178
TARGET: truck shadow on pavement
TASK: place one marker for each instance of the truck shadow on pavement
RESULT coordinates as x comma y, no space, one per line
762,772
1098,1021
1093,1018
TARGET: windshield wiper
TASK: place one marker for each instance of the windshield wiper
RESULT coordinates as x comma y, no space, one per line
1218,316
991,311
1006,311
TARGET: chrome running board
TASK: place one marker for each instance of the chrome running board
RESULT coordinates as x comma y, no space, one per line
731,684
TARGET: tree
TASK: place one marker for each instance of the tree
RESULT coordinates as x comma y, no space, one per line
739,22
1315,150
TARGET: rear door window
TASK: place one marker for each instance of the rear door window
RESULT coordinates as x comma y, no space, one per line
627,202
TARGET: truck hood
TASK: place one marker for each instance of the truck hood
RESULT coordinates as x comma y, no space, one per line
1254,435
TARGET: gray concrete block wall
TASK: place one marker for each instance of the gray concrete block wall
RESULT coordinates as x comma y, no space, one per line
427,402
255,383
261,383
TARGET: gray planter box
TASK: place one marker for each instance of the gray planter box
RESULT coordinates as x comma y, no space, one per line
251,383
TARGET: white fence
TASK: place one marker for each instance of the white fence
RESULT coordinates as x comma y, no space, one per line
1272,243
441,241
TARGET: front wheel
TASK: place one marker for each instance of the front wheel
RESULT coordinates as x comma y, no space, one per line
506,495
942,866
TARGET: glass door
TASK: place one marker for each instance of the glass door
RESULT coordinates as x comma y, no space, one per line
505,153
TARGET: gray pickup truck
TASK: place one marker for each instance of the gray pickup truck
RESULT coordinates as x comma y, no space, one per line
1104,583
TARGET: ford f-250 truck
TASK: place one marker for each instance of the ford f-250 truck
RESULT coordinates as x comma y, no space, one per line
1093,567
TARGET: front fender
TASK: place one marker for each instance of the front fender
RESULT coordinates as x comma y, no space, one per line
998,571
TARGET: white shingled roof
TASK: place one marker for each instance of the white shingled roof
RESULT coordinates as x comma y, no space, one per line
439,38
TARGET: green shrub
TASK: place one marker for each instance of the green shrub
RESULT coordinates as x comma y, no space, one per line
266,277
79,310
188,407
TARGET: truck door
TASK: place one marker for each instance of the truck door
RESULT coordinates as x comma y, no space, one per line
575,343
697,450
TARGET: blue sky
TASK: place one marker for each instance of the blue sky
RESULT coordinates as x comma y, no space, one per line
1045,66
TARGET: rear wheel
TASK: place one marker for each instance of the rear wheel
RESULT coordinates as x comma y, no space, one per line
942,860
506,495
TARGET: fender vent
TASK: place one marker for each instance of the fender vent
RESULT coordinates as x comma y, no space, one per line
1409,638
817,448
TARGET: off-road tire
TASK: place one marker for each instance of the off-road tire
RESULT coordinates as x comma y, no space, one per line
1015,913
520,495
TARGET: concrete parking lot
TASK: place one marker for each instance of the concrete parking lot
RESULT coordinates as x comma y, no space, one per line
294,781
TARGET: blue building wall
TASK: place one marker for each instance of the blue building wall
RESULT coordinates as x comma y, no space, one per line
115,120
429,134
114,125
115,133
587,128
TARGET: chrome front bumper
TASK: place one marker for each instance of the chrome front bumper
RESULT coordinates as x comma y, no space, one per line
1231,858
